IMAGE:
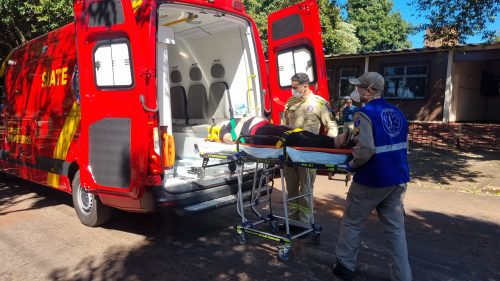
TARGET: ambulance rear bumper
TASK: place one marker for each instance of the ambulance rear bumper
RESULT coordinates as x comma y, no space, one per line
196,198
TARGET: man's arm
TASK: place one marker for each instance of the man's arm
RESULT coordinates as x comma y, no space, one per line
327,122
363,137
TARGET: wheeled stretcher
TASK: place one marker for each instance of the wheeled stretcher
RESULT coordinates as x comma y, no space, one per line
268,160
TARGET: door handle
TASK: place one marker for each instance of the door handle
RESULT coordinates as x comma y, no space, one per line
143,103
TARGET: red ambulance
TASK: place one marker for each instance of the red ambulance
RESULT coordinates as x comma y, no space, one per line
113,107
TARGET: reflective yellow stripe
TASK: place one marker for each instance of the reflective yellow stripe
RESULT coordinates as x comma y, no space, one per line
305,209
136,4
64,141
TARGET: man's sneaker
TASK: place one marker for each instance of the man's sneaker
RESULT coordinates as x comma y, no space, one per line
342,272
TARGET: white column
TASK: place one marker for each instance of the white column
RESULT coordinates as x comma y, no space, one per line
448,115
367,63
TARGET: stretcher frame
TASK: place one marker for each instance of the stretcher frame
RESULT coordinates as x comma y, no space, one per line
247,226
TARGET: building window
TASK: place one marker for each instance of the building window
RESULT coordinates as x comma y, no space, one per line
346,88
405,82
112,64
292,62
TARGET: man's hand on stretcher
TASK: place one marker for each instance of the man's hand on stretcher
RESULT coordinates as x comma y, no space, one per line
343,140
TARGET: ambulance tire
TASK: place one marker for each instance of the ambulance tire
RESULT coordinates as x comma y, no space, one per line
89,207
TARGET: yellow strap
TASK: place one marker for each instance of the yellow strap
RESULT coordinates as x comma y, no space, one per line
296,130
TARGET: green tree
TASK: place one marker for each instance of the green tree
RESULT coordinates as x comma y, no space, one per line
329,15
345,40
376,26
455,20
23,20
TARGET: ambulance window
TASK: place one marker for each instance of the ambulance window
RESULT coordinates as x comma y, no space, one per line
294,61
105,13
286,27
112,64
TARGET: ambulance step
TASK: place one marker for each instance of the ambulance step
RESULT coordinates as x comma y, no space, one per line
212,204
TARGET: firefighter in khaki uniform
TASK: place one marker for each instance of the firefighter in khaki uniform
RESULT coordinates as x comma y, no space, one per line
310,112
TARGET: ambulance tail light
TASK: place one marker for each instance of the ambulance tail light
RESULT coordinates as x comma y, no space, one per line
155,167
167,149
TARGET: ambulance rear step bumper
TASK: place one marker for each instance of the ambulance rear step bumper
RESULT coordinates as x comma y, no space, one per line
202,200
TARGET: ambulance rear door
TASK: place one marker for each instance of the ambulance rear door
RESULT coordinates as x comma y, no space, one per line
114,126
295,45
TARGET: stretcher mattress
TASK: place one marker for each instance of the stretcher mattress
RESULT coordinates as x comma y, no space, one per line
320,156
262,152
216,147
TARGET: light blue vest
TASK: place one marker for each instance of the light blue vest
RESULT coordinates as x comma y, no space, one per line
389,165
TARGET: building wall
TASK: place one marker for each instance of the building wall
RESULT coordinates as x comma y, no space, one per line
468,102
429,108
333,67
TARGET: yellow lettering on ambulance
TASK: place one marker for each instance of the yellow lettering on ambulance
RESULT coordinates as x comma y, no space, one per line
58,77
58,74
52,79
64,76
44,83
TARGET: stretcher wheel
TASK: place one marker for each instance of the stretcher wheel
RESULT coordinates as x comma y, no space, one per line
241,239
231,166
284,253
348,177
316,238
274,226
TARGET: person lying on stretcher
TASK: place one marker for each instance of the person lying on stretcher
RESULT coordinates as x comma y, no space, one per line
259,126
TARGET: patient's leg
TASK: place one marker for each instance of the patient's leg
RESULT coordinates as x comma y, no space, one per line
270,130
309,139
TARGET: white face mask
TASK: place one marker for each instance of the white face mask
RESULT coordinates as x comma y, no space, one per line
296,93
355,96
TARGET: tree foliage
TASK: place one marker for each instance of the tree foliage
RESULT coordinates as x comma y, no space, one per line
376,26
455,20
22,20
345,40
329,15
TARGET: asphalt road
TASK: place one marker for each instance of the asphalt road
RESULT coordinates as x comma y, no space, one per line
451,236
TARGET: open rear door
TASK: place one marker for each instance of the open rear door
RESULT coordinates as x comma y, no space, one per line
295,45
113,156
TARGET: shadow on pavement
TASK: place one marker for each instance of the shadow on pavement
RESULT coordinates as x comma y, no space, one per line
204,247
446,166
14,191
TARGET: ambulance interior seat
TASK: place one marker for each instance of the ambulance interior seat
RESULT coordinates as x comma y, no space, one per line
197,99
218,98
190,135
178,99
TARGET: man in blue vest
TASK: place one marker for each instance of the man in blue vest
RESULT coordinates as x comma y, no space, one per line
380,169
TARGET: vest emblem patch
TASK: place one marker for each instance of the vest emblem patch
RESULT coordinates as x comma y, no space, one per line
391,121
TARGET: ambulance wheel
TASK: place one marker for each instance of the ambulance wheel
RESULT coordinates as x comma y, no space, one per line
88,206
